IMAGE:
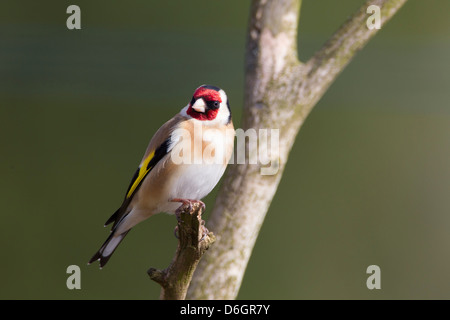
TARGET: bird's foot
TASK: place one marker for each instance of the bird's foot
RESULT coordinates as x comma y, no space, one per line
189,203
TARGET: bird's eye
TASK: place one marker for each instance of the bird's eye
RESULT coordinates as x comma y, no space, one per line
213,104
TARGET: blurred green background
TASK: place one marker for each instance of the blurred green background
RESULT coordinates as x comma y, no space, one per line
367,182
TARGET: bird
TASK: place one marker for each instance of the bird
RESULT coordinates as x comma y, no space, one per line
183,162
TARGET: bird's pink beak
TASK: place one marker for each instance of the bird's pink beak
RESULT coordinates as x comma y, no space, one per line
199,105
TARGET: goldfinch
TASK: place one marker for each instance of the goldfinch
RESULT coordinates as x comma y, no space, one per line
184,161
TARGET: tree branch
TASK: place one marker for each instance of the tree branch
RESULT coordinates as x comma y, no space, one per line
193,241
245,195
280,91
327,63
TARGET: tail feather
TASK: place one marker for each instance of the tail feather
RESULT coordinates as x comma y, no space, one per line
108,248
115,217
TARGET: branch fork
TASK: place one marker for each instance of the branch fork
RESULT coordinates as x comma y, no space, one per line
280,92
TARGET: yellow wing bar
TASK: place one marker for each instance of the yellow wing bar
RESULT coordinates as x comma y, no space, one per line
143,170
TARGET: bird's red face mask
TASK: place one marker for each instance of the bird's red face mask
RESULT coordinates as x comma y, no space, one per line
205,104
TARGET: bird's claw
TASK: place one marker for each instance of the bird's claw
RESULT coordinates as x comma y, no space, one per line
189,203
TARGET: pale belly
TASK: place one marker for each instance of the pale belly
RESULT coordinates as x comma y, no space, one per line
193,182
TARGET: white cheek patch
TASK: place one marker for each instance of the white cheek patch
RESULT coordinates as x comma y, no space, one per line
223,115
